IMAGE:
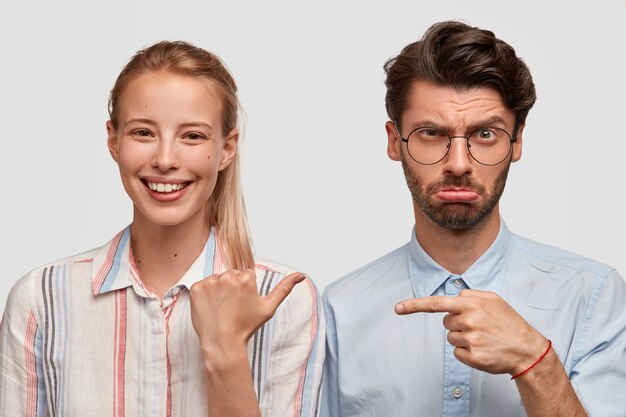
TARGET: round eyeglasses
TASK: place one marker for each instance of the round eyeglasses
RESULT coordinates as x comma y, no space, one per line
428,145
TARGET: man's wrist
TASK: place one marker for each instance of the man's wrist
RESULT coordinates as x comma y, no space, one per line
534,349
543,355
542,370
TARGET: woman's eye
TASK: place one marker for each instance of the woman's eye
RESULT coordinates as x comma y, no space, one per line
141,132
194,136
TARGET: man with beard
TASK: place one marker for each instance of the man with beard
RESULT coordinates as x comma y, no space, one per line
469,319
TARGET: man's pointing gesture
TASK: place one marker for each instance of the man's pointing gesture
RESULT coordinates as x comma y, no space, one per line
487,333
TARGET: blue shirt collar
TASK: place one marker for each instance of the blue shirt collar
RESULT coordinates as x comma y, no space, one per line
486,273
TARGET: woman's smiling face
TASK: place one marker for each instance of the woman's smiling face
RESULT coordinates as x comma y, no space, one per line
169,145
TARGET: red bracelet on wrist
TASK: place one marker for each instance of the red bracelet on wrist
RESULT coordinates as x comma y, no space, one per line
536,362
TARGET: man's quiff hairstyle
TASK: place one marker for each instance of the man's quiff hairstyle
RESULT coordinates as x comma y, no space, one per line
463,57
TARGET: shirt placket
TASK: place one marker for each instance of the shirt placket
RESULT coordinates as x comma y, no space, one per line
456,389
160,385
157,384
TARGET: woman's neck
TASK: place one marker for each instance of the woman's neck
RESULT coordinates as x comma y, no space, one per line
163,254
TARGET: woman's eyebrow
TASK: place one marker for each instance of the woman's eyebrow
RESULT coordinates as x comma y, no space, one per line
140,120
197,124
182,125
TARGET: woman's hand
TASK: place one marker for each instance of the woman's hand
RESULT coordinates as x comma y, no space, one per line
227,309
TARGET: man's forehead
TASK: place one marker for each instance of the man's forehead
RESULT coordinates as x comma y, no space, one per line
453,106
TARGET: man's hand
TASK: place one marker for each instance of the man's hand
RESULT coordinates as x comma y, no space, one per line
488,334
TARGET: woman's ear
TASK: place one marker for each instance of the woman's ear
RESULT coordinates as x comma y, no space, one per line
112,141
229,149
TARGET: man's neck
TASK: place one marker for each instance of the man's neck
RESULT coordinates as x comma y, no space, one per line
456,250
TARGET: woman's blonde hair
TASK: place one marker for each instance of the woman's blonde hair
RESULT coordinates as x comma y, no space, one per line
225,208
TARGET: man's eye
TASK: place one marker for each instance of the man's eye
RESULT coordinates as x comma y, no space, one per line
485,134
431,133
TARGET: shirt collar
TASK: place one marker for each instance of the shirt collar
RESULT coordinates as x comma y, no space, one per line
209,262
486,273
113,265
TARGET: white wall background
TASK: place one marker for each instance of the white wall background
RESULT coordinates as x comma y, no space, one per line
322,195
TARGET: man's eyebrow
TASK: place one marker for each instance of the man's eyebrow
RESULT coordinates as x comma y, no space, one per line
488,122
424,123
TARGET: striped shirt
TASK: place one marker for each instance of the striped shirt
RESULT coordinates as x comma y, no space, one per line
84,337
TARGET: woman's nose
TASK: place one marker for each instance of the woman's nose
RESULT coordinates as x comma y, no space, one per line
165,157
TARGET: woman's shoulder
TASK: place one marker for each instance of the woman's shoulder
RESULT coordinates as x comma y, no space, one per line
32,287
300,314
272,266
270,273
80,269
70,271
80,259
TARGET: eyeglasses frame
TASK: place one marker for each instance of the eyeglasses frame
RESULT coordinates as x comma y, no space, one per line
513,139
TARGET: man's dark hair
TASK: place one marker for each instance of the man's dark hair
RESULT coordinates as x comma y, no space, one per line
461,56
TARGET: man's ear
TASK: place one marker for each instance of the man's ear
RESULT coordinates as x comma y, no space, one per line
394,150
112,141
229,150
517,146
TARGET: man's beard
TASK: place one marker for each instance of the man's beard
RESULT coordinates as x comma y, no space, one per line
456,216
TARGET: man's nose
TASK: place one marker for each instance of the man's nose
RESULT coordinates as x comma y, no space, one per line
458,161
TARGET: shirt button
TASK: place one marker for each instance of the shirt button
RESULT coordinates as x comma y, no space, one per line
457,392
457,283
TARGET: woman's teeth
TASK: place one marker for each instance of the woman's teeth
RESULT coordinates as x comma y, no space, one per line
165,188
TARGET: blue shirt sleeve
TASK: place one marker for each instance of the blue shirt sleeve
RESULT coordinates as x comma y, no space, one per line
598,370
330,391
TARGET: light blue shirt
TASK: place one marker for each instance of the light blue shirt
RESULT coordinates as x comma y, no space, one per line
381,364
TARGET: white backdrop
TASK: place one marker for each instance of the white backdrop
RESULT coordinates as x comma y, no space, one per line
321,194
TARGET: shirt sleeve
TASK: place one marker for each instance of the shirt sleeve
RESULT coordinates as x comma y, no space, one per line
599,366
291,385
330,392
22,389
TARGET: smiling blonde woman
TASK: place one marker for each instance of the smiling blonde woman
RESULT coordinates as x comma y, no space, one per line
174,316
